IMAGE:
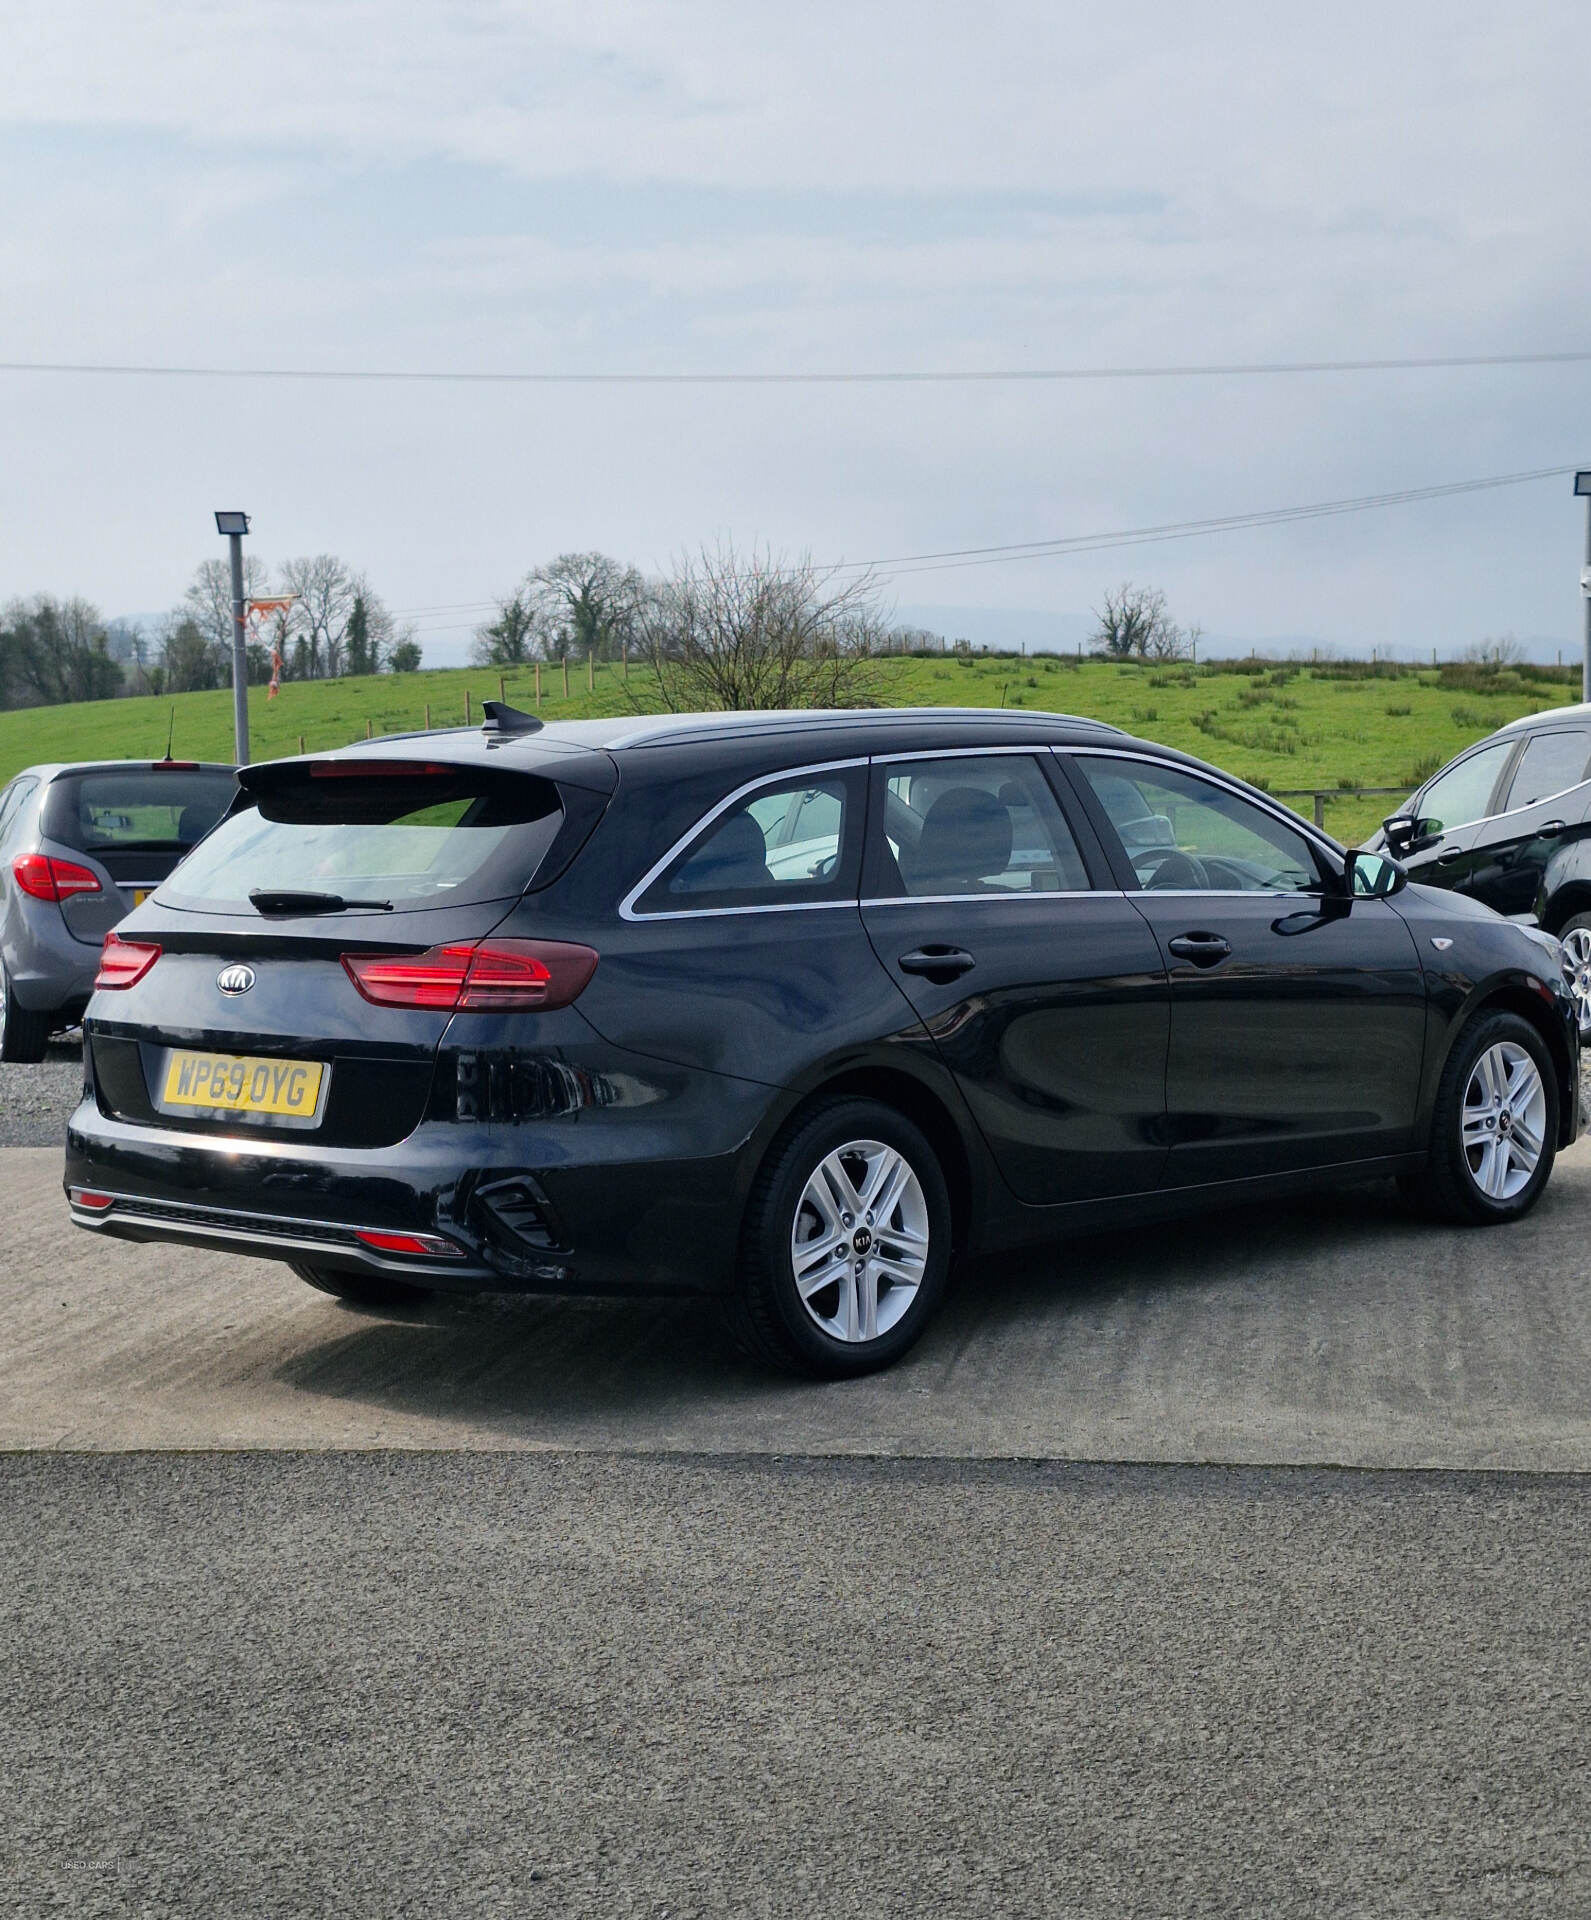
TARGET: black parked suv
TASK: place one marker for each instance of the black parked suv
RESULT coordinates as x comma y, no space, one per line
786,1008
1509,823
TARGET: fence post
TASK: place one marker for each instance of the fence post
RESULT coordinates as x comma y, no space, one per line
566,676
370,728
538,683
428,716
502,690
1320,811
624,660
466,706
301,743
591,671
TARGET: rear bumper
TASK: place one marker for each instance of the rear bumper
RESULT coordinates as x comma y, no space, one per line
587,1207
47,970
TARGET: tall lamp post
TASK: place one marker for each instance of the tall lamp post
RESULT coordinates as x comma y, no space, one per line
1582,485
234,526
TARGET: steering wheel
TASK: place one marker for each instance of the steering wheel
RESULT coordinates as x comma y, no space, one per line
1178,869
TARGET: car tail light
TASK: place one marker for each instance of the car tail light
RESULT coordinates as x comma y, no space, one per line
123,963
46,878
486,975
379,770
429,1245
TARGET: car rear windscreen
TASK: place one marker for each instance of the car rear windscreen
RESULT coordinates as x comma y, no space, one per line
405,838
157,810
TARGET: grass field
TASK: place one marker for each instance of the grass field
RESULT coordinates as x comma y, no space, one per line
1278,724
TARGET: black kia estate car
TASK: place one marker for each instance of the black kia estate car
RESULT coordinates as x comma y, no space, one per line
786,1008
1509,822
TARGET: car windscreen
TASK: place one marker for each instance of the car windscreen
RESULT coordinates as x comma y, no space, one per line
147,809
407,838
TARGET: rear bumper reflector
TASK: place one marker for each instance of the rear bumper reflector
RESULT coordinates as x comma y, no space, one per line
425,1245
91,1201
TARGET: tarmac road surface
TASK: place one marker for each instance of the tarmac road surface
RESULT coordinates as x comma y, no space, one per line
577,1685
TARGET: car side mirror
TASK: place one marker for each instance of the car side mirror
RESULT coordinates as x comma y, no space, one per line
1372,875
1408,833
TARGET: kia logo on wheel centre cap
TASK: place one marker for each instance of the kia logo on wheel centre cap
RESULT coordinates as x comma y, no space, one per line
235,979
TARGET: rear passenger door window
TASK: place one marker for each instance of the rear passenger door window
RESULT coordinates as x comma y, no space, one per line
974,826
1550,763
790,842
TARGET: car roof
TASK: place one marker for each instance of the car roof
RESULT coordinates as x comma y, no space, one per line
53,769
1549,717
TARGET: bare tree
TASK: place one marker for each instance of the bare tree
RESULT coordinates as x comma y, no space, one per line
326,589
207,604
1503,651
514,637
726,631
1134,624
55,651
584,603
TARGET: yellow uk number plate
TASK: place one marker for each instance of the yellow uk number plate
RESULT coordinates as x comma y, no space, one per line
241,1084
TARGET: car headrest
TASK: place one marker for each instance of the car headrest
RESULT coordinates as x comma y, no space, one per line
966,839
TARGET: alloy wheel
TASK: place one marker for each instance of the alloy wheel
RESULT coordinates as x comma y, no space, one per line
1504,1120
859,1242
1576,945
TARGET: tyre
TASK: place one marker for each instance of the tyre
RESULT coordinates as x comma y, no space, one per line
846,1247
1575,938
23,1034
362,1289
1494,1127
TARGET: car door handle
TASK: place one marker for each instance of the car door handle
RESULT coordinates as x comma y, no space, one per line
1203,949
1452,854
1552,826
939,964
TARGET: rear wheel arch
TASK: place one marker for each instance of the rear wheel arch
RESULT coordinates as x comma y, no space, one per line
926,1110
1565,903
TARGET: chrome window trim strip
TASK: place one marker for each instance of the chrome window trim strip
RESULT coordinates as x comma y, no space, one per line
627,909
981,899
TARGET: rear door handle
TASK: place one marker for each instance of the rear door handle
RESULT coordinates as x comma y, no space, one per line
939,964
1452,854
1553,826
1203,949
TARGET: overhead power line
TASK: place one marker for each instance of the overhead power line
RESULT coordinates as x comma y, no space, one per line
956,557
944,376
950,558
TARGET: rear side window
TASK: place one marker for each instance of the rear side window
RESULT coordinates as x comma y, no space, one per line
136,809
402,837
1550,763
791,842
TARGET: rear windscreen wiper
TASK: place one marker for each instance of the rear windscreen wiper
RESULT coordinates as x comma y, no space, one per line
287,901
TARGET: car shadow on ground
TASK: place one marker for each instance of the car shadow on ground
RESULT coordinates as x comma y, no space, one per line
564,1368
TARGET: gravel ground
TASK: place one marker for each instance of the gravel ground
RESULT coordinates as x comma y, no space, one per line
36,1102
423,1684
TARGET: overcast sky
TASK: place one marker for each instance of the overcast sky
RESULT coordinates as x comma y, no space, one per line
744,187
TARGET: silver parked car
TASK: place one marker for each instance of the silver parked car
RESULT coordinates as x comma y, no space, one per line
80,846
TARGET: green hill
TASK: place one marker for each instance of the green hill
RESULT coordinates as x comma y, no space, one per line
1280,725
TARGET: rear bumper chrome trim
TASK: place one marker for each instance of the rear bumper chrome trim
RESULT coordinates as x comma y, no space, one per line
132,1216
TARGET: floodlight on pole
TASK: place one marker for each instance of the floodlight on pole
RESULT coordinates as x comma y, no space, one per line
233,526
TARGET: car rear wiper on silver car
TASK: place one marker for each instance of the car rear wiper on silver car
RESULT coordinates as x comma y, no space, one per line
285,900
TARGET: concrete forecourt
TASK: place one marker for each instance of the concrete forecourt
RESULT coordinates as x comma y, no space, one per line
1117,1595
